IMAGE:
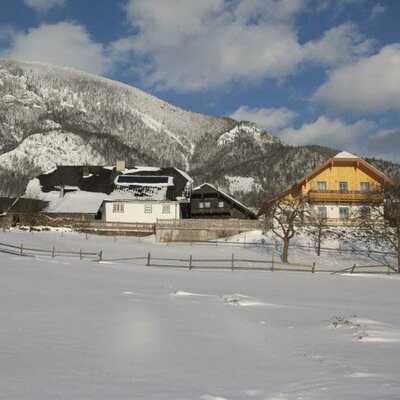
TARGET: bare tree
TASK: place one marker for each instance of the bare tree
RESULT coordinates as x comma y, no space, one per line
318,224
287,215
383,221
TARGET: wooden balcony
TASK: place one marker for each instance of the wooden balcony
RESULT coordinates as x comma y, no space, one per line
211,210
344,196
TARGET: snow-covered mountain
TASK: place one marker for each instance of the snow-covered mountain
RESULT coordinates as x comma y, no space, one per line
56,115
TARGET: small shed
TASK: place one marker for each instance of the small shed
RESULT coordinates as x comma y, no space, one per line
209,202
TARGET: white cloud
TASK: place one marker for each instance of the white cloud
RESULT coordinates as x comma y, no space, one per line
44,5
377,10
385,144
338,45
63,43
330,132
196,45
192,45
271,119
370,85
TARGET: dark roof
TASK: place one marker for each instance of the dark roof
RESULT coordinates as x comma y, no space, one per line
27,206
87,178
6,203
207,188
101,179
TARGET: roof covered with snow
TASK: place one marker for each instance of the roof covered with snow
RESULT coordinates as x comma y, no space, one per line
345,154
93,184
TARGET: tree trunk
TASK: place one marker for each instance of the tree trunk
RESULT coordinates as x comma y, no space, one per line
285,251
319,242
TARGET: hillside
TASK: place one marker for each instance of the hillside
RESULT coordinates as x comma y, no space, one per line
55,115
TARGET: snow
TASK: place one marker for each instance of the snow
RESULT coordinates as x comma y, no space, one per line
128,171
150,192
73,328
77,201
80,202
345,154
47,150
117,182
241,184
247,128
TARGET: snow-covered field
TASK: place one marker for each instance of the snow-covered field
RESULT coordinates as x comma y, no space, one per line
79,329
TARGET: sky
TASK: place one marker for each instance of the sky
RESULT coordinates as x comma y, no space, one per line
321,72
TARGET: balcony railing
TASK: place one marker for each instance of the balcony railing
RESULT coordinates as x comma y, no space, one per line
345,196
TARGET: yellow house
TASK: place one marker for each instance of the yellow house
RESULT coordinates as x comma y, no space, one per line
343,188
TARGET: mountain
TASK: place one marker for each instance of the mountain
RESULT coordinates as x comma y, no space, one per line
53,115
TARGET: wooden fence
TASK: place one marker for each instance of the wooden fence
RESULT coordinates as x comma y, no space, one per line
22,250
232,264
276,245
368,269
190,263
118,228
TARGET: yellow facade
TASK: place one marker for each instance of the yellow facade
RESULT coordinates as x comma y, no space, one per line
336,173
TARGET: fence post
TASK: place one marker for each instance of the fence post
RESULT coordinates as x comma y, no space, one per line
53,254
22,249
100,256
190,262
148,259
272,265
352,269
313,268
80,254
233,261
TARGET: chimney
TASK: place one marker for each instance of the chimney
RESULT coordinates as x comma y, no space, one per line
62,187
120,165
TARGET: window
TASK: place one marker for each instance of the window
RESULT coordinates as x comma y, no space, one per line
201,205
322,212
207,204
118,207
148,208
221,204
344,212
364,186
343,186
166,209
365,212
321,185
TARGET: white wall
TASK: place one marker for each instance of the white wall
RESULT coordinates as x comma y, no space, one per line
135,211
354,210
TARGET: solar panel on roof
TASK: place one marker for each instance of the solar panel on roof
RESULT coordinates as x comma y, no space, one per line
142,179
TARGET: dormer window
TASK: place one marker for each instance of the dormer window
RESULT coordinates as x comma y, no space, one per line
343,187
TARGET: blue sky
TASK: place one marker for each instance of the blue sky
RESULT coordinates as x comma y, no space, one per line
310,71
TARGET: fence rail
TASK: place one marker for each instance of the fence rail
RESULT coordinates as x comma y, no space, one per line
114,226
367,269
22,250
231,264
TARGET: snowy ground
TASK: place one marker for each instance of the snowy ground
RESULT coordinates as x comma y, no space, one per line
78,329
